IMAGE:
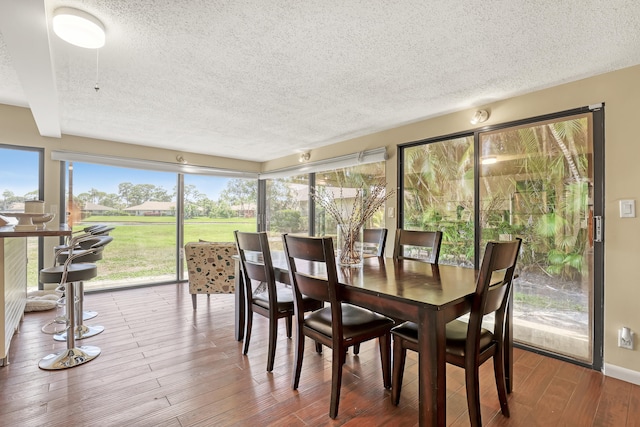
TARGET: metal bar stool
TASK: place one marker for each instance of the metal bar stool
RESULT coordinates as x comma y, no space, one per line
92,254
68,275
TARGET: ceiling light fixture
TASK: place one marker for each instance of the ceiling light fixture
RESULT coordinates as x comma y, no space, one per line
78,28
479,117
488,160
304,157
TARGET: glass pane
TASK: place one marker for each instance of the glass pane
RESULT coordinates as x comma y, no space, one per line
214,207
142,206
538,187
287,209
19,173
343,185
438,195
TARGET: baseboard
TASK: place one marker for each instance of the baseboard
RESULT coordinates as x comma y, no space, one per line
623,374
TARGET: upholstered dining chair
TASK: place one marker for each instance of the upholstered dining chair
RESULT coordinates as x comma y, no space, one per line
468,344
211,268
336,326
375,240
271,300
427,244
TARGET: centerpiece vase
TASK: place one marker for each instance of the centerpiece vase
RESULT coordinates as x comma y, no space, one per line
350,246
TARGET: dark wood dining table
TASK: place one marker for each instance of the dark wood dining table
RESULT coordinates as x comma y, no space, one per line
429,295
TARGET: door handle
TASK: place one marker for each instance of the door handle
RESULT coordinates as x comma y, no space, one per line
597,228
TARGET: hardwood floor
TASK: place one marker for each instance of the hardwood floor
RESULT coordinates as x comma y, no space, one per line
162,364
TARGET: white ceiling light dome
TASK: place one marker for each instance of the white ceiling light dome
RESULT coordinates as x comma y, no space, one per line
78,28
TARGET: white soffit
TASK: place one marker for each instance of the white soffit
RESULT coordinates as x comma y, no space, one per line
258,80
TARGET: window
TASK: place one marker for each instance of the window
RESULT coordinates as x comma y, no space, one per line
20,180
143,205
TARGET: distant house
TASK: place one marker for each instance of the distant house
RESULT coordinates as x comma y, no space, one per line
153,209
248,210
94,209
15,207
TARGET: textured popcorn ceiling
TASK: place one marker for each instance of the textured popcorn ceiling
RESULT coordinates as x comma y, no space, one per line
261,79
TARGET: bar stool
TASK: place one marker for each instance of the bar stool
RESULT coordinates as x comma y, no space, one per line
81,241
68,275
90,255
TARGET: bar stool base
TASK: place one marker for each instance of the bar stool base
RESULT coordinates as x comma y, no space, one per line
89,314
69,358
81,332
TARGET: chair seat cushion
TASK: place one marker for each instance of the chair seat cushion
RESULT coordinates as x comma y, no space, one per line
285,299
355,321
456,335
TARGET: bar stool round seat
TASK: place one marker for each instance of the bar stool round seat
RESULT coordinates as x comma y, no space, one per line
75,273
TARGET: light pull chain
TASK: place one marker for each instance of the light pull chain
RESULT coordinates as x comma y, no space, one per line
97,86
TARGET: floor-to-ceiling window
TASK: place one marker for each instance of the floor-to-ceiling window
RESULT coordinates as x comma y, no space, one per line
541,180
154,213
20,180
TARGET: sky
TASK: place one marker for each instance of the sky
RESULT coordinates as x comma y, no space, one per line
19,174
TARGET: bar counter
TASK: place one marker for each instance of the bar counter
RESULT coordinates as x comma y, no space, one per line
13,278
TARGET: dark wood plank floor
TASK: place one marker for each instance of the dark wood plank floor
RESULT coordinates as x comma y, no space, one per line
163,364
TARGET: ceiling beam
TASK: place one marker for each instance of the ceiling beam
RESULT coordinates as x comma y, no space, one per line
24,26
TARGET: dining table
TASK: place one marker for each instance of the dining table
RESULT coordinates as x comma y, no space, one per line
428,294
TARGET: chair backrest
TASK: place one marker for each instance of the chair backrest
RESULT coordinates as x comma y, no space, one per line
255,259
492,289
319,280
211,267
426,242
375,239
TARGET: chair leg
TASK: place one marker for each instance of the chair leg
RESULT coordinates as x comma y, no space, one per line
194,301
318,347
356,348
472,383
297,358
501,383
399,357
289,326
247,330
384,343
273,336
337,361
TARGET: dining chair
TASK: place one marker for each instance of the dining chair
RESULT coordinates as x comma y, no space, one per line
468,344
312,270
269,300
427,244
375,240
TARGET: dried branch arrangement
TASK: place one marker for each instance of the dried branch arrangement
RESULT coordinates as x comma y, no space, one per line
350,221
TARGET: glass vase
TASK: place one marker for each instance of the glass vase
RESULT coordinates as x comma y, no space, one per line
349,245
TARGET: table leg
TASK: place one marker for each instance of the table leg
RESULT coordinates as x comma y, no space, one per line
432,382
239,302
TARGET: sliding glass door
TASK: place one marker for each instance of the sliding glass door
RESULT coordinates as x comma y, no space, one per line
536,181
540,180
